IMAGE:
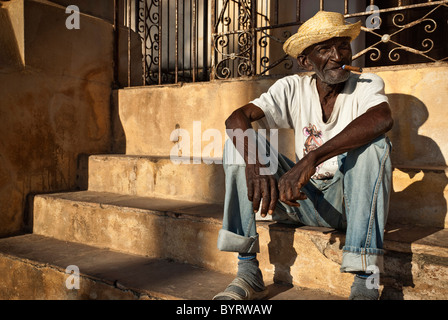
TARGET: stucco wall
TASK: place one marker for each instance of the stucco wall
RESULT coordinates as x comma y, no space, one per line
416,92
54,109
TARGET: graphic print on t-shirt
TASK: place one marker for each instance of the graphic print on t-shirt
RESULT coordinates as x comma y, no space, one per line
312,142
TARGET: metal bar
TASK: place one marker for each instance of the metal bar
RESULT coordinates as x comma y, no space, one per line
176,44
407,7
254,35
321,5
160,11
205,40
275,14
167,32
298,8
183,39
194,44
258,29
116,43
234,15
212,49
145,29
345,6
129,40
260,50
221,17
190,38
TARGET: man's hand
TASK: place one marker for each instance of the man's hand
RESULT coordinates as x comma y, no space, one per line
261,187
294,180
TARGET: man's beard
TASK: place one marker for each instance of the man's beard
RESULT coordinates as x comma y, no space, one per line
333,79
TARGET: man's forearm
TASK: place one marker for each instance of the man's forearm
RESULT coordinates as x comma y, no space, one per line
240,130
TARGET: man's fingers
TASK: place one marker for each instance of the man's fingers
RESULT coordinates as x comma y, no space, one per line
297,194
274,198
250,189
289,196
266,195
289,192
257,196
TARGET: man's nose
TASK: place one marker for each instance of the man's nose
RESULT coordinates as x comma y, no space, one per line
335,54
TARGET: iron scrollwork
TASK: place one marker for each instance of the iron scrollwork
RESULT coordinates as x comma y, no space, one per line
236,49
242,57
427,44
148,28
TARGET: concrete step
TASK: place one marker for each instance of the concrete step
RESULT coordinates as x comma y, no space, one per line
156,177
182,230
152,176
416,259
36,267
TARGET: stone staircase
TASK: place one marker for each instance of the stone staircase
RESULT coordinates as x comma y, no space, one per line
146,228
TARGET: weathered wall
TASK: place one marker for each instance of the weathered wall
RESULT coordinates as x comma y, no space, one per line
416,92
55,108
417,95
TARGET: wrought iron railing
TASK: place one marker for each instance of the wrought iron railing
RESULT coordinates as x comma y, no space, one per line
412,24
387,32
174,37
200,40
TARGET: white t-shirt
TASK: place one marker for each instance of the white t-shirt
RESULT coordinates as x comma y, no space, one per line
293,102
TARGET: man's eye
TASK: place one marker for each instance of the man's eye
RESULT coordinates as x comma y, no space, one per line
324,49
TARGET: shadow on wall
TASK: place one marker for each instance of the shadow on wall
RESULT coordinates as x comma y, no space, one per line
418,191
418,196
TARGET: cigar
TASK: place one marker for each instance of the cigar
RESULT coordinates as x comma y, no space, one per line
351,68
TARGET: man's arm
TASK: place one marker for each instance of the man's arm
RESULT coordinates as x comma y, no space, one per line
373,123
258,186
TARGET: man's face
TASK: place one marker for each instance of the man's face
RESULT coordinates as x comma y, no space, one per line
327,58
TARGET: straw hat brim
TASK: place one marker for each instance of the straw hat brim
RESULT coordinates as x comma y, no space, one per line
298,42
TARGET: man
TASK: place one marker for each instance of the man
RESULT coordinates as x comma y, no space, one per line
343,175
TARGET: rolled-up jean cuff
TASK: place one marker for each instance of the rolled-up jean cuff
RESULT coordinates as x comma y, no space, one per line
358,261
232,242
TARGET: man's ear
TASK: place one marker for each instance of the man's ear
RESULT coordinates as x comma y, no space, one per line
304,63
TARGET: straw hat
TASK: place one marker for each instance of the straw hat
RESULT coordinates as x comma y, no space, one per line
323,26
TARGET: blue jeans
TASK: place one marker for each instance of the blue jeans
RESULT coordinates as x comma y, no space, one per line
356,200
